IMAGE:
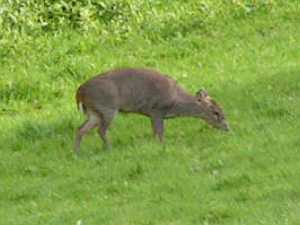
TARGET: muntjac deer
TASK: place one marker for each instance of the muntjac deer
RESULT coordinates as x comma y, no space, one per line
143,91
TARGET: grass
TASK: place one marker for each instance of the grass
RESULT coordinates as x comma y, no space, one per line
201,175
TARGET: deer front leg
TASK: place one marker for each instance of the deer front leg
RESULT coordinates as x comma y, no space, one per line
158,127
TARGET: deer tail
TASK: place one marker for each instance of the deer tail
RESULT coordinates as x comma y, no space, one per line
80,106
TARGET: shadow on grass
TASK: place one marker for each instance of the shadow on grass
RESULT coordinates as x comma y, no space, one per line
40,133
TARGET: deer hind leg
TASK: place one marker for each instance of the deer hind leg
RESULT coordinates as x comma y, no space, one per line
106,119
90,123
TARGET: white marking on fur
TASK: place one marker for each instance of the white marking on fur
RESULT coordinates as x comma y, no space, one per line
81,107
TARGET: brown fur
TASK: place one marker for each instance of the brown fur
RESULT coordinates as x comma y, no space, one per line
143,91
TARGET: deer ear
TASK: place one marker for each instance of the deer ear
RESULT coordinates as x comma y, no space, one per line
201,94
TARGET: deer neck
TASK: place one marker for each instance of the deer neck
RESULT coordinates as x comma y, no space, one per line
185,106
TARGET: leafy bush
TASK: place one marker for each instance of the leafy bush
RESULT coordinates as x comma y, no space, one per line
118,18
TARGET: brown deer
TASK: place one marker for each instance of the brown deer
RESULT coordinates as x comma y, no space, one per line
142,91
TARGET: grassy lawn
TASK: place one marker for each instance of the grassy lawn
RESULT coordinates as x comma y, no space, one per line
201,175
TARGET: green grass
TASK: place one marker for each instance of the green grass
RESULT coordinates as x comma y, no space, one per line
201,175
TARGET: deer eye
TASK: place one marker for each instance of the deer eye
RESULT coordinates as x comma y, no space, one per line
217,114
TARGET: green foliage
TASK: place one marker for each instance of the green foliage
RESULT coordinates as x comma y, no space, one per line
119,17
246,53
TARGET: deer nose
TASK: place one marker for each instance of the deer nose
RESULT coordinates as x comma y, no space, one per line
226,126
